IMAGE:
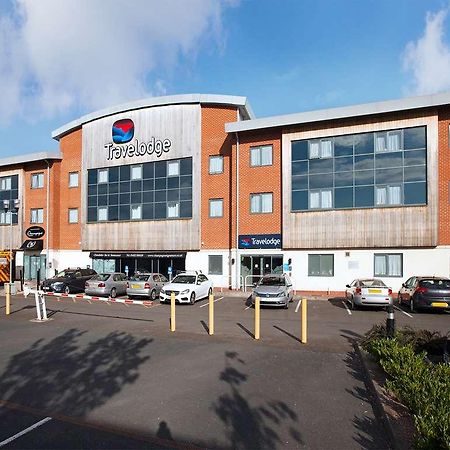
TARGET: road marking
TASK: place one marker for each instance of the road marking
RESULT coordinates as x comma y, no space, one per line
344,302
404,312
298,305
248,307
206,304
27,430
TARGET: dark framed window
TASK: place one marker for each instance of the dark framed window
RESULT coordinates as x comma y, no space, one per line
215,265
321,265
388,265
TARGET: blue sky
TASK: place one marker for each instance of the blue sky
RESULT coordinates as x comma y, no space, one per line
63,59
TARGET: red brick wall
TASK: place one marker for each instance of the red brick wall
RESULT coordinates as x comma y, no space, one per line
444,177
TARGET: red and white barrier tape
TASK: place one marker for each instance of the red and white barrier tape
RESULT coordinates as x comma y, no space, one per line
75,297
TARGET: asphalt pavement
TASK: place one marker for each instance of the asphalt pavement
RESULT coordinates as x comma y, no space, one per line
114,376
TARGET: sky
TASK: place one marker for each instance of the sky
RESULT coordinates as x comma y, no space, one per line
62,59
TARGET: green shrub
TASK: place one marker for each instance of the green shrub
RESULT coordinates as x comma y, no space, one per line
423,387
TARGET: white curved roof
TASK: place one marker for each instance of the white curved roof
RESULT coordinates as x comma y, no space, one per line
240,102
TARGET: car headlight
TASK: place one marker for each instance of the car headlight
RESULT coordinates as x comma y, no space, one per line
186,291
281,294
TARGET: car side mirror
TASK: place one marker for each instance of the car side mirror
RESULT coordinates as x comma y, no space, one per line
403,285
289,285
347,285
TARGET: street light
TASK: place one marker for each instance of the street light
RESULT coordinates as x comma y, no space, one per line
11,207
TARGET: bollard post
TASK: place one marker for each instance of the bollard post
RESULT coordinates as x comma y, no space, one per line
304,338
257,317
172,311
211,314
8,298
41,309
390,322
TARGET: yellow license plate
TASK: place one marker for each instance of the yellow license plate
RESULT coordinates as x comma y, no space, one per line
374,291
136,286
439,305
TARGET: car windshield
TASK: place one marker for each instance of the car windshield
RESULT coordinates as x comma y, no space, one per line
435,284
272,281
66,274
101,277
141,277
372,283
184,279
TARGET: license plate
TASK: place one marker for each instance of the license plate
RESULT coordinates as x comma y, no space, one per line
374,291
439,305
135,286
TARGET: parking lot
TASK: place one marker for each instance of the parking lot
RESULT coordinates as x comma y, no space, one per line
114,376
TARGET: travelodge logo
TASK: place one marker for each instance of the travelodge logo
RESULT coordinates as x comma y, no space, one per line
123,133
259,241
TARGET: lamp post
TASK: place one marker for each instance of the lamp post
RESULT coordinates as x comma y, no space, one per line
11,207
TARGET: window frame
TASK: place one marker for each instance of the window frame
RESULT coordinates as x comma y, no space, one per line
216,157
98,176
7,182
386,256
320,255
174,163
259,149
39,176
218,200
77,174
215,272
36,211
71,210
260,195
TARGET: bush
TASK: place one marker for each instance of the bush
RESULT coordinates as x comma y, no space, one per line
423,387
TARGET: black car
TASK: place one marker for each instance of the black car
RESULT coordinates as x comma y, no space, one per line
422,292
68,281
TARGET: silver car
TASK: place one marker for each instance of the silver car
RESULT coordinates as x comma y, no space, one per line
368,292
274,290
146,285
107,284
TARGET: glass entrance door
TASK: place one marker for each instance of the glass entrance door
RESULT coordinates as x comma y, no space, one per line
253,267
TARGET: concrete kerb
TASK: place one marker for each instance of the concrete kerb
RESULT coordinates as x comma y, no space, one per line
401,437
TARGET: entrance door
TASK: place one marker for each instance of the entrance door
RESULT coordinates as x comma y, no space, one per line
253,267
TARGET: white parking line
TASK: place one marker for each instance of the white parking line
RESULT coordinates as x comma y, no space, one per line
207,303
248,307
298,305
344,302
404,312
12,438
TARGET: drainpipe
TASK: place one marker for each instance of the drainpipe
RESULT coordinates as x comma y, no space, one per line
47,216
237,262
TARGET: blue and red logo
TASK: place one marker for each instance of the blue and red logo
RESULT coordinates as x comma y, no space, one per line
246,242
122,131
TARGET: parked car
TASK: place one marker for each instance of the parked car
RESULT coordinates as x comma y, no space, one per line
188,287
421,292
146,285
368,292
68,281
107,284
274,290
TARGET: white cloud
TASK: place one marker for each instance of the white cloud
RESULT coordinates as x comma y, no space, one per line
428,58
56,55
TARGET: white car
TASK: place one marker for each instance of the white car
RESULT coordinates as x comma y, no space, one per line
188,287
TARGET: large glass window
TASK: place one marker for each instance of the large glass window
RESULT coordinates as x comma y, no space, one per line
5,184
215,265
363,170
388,265
150,191
261,156
321,265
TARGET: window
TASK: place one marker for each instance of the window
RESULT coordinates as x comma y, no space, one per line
5,217
388,265
321,265
320,199
320,149
73,215
389,141
73,179
261,156
215,265
136,172
215,164
136,212
37,215
261,203
5,184
102,176
102,214
173,168
37,180
216,207
173,209
388,195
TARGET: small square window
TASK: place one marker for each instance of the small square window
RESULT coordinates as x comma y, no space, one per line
173,168
216,207
136,172
102,213
73,179
102,176
261,156
215,265
215,164
37,180
73,215
37,215
261,203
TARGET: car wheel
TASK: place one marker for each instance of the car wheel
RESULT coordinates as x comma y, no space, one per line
153,294
192,298
113,293
210,292
67,290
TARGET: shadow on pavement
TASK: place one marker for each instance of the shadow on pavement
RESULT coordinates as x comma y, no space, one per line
337,301
246,330
287,333
52,312
250,426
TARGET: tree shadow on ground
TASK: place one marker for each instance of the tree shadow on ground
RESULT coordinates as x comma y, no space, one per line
68,376
253,426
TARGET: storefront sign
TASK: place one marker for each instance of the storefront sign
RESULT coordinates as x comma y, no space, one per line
35,232
259,241
115,255
32,244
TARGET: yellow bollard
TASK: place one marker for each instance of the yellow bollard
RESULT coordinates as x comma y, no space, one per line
304,321
8,298
257,317
211,314
172,311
